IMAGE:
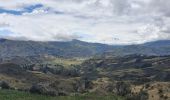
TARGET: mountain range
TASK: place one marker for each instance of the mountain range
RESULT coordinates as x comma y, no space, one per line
77,48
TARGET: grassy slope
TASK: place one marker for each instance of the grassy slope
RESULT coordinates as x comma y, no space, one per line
68,62
15,95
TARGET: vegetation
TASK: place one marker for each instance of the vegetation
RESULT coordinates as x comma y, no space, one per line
135,77
76,48
17,95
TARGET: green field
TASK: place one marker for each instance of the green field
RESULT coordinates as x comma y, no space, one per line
67,62
16,95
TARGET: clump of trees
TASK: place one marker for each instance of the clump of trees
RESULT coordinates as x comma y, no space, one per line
54,69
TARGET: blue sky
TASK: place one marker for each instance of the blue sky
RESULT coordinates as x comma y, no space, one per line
27,9
5,32
102,21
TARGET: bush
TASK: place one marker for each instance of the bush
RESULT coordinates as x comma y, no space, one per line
4,85
42,89
122,88
143,95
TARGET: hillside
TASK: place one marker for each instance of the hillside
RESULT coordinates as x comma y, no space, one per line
76,48
161,47
147,75
131,76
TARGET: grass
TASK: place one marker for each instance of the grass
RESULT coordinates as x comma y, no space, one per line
67,62
18,95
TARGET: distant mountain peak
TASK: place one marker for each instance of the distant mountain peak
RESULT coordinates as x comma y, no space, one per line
76,40
158,43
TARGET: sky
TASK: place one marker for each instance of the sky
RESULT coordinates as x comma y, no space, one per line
101,21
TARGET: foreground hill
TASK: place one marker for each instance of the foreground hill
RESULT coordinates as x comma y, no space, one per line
147,75
76,48
131,76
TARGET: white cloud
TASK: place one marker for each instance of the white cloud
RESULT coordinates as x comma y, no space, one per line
103,21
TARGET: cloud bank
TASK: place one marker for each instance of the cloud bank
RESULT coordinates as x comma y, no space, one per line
102,21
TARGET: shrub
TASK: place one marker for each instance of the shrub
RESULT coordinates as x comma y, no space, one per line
4,85
42,89
143,95
122,88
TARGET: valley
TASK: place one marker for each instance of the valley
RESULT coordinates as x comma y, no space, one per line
84,50
135,77
84,70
